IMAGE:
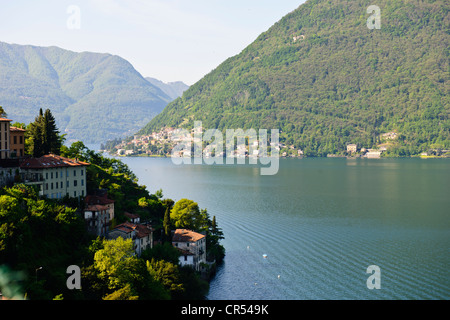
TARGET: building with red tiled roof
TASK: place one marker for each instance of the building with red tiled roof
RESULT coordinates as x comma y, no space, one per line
97,219
192,242
17,142
141,234
134,218
61,176
93,199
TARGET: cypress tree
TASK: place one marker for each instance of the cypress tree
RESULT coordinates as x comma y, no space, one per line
166,225
45,135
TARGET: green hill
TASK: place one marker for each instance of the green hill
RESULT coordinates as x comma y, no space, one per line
93,96
325,79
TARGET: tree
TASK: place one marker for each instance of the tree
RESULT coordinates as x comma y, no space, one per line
113,262
186,214
43,135
166,225
166,273
2,112
52,141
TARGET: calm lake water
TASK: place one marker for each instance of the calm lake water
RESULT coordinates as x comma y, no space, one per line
321,223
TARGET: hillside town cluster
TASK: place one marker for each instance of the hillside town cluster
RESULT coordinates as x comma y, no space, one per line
57,177
161,144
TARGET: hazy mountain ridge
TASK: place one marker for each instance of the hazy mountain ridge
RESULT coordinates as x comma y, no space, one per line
94,96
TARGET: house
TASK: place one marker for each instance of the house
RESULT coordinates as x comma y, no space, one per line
61,176
186,258
142,235
134,218
192,242
4,137
17,142
101,200
351,148
373,155
97,219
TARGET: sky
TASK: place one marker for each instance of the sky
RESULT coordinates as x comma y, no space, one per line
171,40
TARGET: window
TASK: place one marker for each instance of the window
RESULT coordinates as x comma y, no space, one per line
82,172
82,193
74,173
51,175
82,182
61,184
56,174
21,140
46,175
75,183
185,257
74,193
15,139
51,185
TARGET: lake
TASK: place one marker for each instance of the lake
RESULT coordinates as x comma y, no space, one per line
320,223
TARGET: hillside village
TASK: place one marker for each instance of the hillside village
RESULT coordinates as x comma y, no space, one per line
57,177
161,143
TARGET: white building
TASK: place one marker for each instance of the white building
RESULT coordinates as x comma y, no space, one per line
60,176
193,243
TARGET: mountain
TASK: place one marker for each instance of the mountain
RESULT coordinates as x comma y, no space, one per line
325,79
93,96
172,89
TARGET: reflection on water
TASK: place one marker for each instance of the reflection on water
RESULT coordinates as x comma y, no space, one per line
321,222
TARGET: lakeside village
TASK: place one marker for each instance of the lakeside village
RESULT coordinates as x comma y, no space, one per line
57,177
161,144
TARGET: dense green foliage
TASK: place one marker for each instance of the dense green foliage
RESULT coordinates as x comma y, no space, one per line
337,83
42,135
39,232
94,96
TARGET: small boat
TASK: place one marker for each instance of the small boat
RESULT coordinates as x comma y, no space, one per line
264,256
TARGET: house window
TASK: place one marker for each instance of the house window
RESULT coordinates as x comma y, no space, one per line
82,182
82,172
82,193
46,175
74,173
75,183
51,175
51,185
15,139
74,193
185,257
21,140
61,184
56,174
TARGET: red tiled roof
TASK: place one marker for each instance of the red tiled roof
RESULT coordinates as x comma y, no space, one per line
143,231
131,215
51,161
90,199
185,235
125,227
15,129
4,119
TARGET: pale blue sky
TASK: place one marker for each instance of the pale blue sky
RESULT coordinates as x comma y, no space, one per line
167,39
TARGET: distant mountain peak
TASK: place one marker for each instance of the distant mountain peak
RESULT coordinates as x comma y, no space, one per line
94,96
